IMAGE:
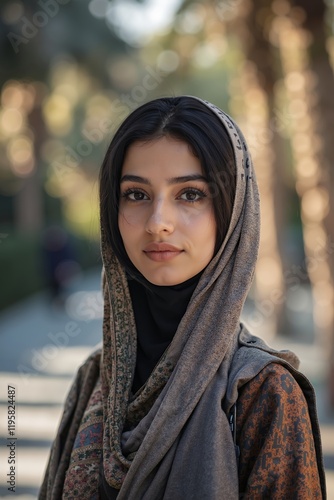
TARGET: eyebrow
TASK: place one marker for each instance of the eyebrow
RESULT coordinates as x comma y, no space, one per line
172,180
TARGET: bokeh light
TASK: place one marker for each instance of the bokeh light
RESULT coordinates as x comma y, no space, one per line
58,114
20,154
11,121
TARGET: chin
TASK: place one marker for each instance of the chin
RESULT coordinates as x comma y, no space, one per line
164,279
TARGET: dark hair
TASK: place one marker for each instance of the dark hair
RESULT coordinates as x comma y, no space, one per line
183,118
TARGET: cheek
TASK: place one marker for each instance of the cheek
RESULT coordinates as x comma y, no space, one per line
192,218
203,220
128,218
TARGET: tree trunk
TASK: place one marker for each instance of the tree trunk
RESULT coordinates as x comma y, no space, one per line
256,85
29,205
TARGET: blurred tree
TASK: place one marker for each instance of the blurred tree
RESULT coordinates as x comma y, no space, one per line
35,33
255,87
299,30
302,36
35,38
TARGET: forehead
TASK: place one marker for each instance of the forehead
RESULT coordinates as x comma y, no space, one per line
163,155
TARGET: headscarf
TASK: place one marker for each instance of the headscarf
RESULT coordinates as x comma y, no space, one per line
172,439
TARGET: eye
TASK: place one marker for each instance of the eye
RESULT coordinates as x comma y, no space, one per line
134,195
192,195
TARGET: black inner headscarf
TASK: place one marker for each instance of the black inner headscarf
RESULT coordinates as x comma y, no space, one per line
158,311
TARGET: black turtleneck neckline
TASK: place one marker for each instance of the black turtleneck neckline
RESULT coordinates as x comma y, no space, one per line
158,311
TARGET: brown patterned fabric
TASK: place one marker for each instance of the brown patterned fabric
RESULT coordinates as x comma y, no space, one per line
171,439
277,452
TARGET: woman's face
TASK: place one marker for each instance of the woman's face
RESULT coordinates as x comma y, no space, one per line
166,217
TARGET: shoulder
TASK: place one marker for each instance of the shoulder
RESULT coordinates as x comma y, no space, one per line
273,378
274,389
254,364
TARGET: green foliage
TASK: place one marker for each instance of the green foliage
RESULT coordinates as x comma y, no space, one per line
22,265
19,268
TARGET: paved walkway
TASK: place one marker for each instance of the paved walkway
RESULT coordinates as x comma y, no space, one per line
41,347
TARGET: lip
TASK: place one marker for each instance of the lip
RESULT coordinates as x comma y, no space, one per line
161,247
161,252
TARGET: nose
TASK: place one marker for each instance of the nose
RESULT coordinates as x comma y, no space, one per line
160,218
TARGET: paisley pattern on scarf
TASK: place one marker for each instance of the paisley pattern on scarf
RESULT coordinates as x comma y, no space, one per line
87,451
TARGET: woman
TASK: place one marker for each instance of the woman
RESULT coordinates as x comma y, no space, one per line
182,402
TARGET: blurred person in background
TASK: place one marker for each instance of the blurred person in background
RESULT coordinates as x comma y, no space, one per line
61,265
182,401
